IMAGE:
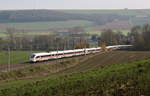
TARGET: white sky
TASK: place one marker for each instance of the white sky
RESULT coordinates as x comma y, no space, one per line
74,4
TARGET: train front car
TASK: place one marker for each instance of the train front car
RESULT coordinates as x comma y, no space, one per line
32,58
35,57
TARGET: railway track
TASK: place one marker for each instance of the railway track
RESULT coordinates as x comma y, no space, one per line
11,67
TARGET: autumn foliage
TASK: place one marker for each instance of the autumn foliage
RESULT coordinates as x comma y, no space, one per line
82,45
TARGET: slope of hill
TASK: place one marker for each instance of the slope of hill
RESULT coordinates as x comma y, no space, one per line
39,26
97,17
53,15
129,12
76,65
107,59
130,79
25,17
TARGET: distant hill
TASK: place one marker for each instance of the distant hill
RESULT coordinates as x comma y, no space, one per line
99,18
54,15
129,12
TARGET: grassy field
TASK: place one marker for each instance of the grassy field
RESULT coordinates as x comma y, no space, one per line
16,57
120,12
30,33
46,25
125,32
131,79
2,35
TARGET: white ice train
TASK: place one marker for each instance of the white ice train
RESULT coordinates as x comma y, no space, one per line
36,57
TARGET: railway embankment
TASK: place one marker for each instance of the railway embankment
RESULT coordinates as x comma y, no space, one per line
73,65
124,79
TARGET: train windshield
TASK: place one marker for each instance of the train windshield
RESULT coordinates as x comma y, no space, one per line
32,56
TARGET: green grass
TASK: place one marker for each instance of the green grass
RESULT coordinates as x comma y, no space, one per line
124,32
115,11
94,32
16,57
33,71
49,25
2,35
91,32
40,33
131,79
33,33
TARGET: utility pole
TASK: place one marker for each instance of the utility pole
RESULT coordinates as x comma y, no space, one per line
9,58
31,46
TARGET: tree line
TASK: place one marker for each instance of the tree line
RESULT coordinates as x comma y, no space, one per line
138,36
23,41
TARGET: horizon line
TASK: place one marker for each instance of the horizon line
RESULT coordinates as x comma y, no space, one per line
76,9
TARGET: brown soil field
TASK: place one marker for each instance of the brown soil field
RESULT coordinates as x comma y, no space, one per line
107,59
116,25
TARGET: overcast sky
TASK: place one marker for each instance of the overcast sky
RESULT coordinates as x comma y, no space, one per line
74,4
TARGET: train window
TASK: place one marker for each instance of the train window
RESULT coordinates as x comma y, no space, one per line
45,56
38,57
32,56
53,55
